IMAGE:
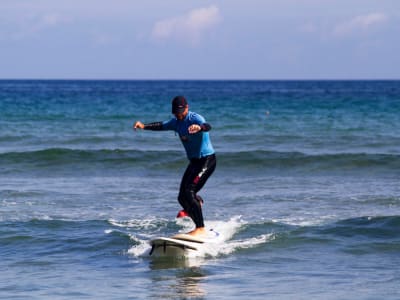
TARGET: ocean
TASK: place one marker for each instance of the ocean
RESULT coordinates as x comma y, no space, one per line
306,190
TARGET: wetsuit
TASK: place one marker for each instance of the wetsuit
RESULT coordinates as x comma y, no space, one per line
201,155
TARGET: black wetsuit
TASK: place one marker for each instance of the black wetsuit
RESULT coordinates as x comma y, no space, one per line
194,178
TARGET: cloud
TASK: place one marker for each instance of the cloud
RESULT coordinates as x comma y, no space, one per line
49,20
189,28
31,25
360,24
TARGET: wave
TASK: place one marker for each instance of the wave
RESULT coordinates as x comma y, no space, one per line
359,235
245,161
322,161
45,240
76,161
47,237
380,228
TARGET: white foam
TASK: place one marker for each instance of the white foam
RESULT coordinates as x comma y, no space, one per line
245,244
224,245
142,223
226,229
219,239
305,221
141,249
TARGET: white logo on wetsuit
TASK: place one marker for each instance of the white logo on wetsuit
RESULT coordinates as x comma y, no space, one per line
197,178
202,172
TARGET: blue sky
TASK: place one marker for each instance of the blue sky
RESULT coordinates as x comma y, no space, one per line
189,39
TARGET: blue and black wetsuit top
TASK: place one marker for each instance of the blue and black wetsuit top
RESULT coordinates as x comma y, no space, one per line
197,145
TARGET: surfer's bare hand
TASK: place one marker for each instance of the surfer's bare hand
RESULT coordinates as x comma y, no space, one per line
194,128
139,125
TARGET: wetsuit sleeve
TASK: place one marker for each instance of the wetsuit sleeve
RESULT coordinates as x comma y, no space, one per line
153,126
205,127
198,119
157,126
169,125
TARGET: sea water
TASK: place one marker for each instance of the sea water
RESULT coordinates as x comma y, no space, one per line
306,190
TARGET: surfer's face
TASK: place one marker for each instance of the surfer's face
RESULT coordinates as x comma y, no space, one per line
182,115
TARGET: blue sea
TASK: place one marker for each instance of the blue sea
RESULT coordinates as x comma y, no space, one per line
306,190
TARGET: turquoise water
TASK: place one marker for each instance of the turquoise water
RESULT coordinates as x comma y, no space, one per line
307,188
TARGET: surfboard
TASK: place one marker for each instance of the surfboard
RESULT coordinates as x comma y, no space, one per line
179,245
170,247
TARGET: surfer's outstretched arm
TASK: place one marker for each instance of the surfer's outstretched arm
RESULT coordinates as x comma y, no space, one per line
149,126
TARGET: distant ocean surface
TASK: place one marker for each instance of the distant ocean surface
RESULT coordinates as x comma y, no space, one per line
307,186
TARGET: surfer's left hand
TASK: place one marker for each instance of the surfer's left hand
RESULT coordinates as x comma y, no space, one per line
194,128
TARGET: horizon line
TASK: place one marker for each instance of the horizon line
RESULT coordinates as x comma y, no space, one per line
199,79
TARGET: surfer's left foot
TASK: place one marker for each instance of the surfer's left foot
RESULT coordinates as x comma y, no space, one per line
182,213
198,232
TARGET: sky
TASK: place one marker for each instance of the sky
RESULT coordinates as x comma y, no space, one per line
200,39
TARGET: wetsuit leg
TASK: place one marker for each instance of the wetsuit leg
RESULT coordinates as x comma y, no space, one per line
194,178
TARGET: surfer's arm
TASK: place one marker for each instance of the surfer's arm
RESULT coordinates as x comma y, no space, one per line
153,126
148,126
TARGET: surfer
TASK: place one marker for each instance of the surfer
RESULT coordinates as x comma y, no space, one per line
193,133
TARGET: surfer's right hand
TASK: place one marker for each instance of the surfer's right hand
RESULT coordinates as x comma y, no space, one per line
137,125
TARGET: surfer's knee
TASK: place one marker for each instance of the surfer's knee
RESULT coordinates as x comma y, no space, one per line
188,199
199,199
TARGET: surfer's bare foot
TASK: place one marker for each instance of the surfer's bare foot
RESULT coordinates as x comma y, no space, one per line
198,231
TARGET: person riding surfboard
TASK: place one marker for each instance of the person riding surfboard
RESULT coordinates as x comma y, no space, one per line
193,131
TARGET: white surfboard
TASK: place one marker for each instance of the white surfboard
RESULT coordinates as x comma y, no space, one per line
179,245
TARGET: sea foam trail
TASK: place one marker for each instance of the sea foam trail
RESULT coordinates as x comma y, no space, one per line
220,240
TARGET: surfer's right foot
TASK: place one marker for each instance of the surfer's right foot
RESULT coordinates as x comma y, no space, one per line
198,232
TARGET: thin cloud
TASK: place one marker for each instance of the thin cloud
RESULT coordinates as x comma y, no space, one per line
360,24
33,25
189,28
